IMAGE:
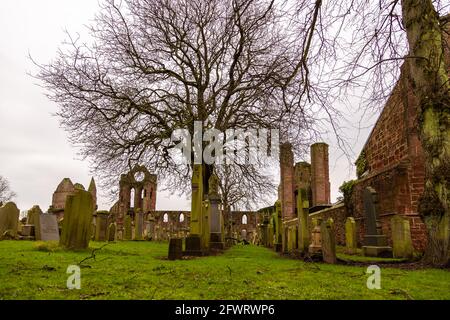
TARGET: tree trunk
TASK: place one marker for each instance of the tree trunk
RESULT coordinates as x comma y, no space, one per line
431,86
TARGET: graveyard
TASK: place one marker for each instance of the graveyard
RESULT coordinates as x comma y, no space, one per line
140,270
235,150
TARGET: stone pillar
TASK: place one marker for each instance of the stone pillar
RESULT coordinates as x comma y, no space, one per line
205,236
303,212
350,236
215,216
193,241
320,176
287,181
76,230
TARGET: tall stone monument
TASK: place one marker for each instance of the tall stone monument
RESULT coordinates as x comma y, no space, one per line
194,240
375,243
215,216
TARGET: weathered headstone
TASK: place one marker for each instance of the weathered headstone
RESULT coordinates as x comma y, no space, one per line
9,220
350,236
316,238
401,237
375,243
175,249
101,226
328,241
127,228
48,227
33,216
112,232
78,211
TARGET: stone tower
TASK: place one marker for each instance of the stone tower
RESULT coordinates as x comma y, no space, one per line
64,189
287,181
320,176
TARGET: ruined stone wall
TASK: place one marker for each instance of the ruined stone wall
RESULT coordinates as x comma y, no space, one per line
176,223
253,219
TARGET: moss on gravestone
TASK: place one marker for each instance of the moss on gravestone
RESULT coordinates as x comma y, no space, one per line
77,224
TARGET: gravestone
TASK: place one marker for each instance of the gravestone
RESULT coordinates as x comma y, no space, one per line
138,225
175,249
127,228
401,238
328,241
350,236
375,243
216,223
78,211
33,217
9,220
303,212
48,227
316,238
112,232
101,226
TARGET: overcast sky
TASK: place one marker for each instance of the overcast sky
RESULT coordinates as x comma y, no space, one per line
34,153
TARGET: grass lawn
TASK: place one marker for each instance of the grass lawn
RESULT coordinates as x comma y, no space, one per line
139,270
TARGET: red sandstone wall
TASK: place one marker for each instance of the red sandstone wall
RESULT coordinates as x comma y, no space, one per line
395,164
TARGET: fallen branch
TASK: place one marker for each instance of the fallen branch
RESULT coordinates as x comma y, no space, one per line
93,253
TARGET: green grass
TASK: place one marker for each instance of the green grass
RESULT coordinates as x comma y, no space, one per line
139,270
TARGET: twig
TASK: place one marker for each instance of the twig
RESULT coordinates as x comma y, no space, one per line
92,256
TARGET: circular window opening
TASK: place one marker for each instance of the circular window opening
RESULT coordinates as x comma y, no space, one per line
139,176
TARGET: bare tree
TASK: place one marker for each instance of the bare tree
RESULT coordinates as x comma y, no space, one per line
154,66
6,194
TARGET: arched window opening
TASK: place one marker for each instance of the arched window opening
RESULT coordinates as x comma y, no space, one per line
165,218
132,197
181,217
244,219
